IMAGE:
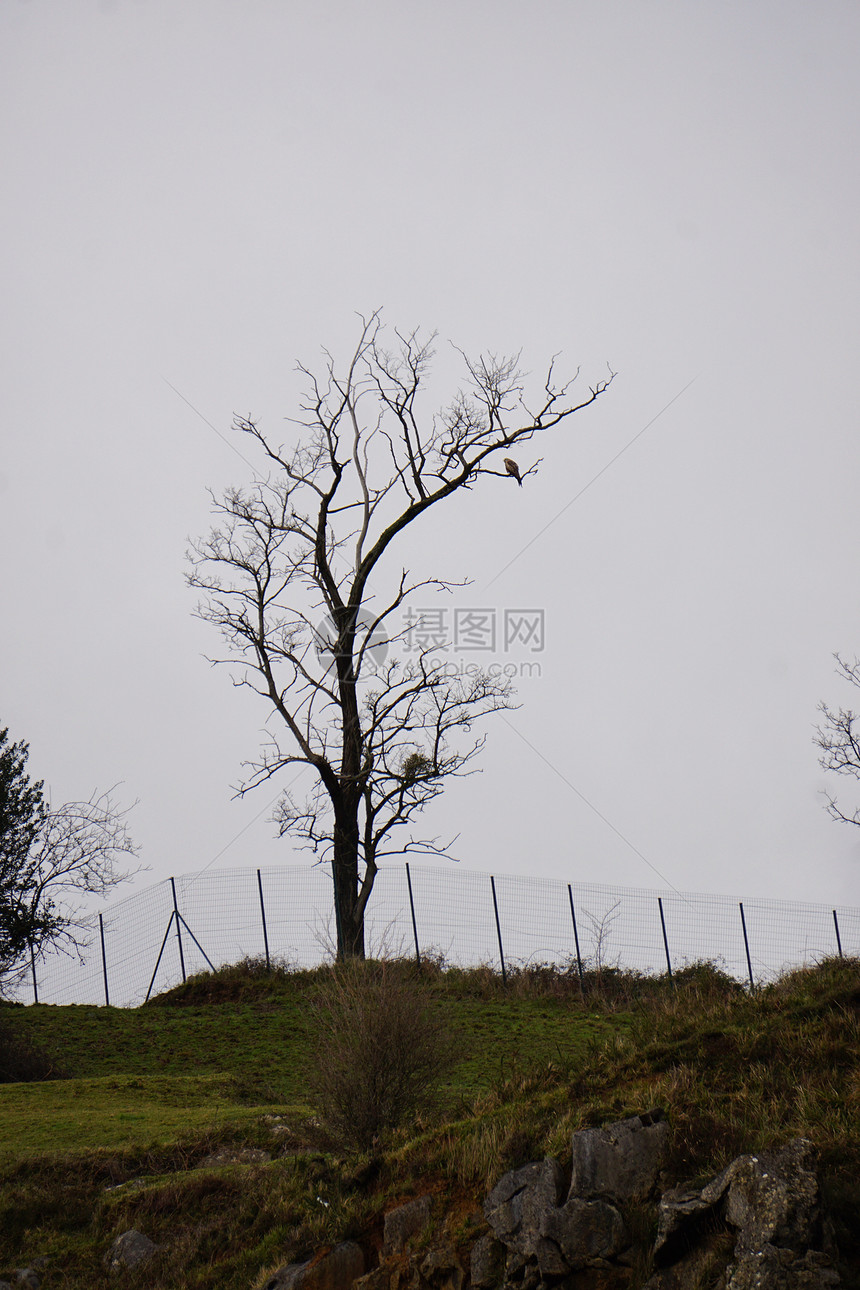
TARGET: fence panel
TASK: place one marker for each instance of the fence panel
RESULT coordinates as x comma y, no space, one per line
218,919
454,914
705,928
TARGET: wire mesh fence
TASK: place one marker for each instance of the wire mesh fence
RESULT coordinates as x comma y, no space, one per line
157,937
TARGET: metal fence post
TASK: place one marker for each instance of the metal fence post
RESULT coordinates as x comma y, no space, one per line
665,938
838,937
575,934
499,930
263,916
747,946
178,932
160,952
412,911
33,970
104,959
180,919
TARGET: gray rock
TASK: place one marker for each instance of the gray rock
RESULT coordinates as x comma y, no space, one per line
773,1198
524,1213
717,1187
28,1277
336,1270
770,1268
487,1262
679,1216
516,1205
129,1250
772,1202
404,1222
622,1162
582,1232
544,1175
441,1269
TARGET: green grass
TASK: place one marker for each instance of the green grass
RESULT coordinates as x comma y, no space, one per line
118,1111
151,1092
264,1044
88,1041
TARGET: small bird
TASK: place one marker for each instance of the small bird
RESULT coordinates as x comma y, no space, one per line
513,469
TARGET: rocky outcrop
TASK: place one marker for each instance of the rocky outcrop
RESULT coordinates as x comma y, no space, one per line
758,1225
772,1206
526,1216
487,1263
552,1235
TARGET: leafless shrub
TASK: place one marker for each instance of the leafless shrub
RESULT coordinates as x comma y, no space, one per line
380,1052
601,931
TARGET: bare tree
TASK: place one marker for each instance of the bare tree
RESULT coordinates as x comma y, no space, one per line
49,859
293,576
838,737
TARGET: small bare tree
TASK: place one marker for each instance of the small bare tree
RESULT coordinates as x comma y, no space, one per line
601,927
294,579
838,737
49,859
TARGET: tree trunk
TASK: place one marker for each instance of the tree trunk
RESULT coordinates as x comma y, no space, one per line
349,922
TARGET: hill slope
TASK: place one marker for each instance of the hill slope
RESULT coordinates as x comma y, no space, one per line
223,1063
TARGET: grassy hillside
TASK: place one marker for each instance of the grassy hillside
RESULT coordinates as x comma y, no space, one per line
146,1094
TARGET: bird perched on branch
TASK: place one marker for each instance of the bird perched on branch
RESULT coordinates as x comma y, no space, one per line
513,469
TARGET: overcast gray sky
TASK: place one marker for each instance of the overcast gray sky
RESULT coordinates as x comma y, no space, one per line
199,193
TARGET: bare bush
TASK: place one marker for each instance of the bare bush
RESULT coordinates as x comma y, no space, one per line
381,1050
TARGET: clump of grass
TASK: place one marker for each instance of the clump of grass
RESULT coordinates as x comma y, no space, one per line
607,988
252,978
832,980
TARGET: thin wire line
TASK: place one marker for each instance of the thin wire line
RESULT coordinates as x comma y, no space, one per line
221,436
244,829
298,774
592,807
586,487
269,805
